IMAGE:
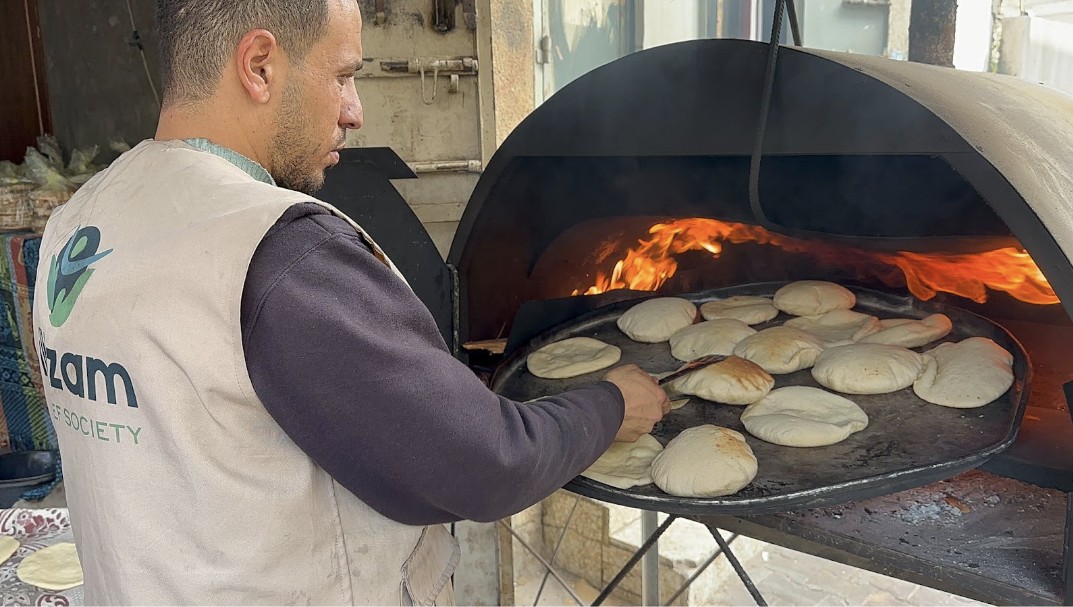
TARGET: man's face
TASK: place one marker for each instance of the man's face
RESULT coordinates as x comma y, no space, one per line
319,104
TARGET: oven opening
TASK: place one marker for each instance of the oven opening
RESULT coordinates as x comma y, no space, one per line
907,225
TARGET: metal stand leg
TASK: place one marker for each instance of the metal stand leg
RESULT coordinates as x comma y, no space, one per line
1067,554
633,560
733,560
555,552
650,561
555,574
1067,544
696,574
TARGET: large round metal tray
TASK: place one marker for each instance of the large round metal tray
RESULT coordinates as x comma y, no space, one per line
908,442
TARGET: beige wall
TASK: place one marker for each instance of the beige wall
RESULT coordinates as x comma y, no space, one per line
898,29
461,127
513,64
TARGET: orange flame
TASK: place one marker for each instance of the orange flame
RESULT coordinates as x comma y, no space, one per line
649,264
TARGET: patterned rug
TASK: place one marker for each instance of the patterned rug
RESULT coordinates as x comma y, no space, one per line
25,424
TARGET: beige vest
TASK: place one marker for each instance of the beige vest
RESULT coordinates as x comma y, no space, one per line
182,488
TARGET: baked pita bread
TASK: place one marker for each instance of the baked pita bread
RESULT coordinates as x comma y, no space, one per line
748,309
626,465
572,357
655,320
802,416
867,368
837,327
735,381
705,461
971,373
909,332
781,349
813,297
709,337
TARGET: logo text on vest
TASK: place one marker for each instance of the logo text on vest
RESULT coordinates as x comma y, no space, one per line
69,272
79,374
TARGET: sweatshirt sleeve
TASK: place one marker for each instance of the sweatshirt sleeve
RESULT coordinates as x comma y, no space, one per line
350,364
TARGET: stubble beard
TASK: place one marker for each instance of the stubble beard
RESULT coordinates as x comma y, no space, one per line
294,150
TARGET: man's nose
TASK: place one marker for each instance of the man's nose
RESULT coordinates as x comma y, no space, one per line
351,115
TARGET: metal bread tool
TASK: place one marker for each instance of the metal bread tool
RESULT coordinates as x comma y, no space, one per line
691,366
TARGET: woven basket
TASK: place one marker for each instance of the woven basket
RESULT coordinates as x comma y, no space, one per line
43,202
16,209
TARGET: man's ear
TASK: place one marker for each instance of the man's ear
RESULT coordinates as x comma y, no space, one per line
256,60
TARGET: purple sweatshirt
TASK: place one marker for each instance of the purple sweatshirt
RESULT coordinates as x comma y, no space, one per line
351,365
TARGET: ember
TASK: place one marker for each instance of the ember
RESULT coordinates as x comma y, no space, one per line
648,265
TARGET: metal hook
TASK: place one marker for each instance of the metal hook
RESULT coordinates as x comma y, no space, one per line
435,77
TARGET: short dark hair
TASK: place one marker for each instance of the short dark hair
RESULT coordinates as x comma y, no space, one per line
198,36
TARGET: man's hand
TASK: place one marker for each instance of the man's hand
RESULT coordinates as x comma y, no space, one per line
646,402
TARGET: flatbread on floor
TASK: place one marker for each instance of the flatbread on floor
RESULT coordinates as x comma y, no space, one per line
8,547
55,567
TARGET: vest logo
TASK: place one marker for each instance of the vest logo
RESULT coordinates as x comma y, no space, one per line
69,273
80,375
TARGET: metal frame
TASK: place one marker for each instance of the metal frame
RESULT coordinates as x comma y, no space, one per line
1067,543
647,554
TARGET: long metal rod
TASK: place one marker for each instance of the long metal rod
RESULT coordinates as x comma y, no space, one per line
1067,543
733,560
795,26
1067,554
555,552
696,574
650,561
765,106
546,564
621,575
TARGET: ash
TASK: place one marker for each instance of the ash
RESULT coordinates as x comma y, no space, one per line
916,512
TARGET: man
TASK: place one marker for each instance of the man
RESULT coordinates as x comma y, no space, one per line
252,406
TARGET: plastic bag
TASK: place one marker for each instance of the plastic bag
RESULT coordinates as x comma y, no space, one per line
44,174
10,173
82,161
50,147
118,146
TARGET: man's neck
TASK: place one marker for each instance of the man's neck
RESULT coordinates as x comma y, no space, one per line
203,122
